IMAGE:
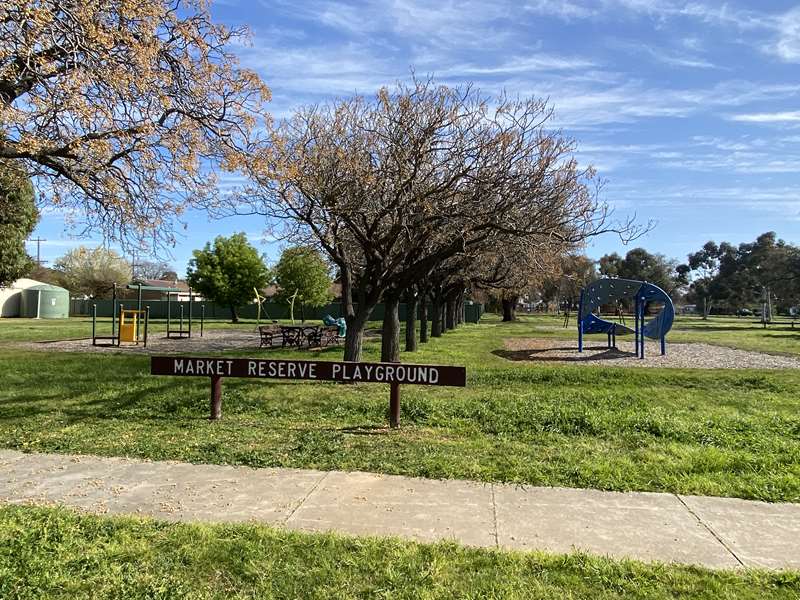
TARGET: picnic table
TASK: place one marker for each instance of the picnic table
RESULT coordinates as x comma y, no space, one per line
298,335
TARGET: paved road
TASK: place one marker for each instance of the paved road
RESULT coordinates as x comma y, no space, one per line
713,532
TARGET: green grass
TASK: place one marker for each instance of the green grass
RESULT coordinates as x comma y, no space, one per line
55,553
723,432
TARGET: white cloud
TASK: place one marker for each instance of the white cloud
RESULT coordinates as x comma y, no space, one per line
664,56
539,62
591,105
773,117
784,200
787,46
563,9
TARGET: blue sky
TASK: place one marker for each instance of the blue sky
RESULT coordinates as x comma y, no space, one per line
689,110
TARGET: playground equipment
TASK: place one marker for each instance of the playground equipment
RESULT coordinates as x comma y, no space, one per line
180,332
614,291
131,320
260,300
128,331
107,340
129,325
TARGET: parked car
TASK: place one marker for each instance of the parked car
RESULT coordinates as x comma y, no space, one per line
744,312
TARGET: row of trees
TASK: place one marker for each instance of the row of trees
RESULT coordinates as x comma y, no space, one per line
421,193
729,277
723,277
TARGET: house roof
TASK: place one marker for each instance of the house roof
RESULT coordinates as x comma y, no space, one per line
163,284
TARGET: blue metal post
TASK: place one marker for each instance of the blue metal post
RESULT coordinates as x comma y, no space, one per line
636,324
641,336
580,323
663,344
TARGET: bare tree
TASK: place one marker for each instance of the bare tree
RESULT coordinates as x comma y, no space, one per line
392,187
151,269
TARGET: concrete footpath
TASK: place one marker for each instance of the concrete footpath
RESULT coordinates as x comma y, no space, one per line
712,532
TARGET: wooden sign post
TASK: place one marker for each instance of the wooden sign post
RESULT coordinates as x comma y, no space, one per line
311,370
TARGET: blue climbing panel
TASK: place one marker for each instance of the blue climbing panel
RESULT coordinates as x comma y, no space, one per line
610,290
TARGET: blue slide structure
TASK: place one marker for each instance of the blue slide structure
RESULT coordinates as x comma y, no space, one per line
611,290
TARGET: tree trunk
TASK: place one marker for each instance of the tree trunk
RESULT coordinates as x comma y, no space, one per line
356,319
460,309
354,338
423,319
436,325
450,315
390,336
706,308
509,310
411,322
302,313
234,314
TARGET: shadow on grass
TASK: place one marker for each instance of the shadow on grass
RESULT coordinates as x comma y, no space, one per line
366,430
713,328
533,355
113,406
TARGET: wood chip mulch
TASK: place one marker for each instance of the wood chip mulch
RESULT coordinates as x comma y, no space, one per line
688,356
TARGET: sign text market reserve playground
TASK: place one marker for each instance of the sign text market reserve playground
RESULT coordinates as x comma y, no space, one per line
394,374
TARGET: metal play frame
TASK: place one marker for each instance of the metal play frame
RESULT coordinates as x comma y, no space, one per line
612,290
172,333
115,339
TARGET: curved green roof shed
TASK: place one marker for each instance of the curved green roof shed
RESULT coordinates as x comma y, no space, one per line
44,302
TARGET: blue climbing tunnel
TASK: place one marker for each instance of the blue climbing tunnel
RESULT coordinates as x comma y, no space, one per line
611,290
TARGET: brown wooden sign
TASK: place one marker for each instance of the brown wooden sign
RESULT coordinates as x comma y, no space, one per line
313,370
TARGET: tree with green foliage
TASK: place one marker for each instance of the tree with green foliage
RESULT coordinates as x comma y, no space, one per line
303,277
641,265
18,217
730,277
227,272
92,271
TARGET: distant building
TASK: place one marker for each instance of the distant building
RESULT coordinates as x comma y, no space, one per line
180,286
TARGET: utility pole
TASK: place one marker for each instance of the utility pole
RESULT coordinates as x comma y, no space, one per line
38,241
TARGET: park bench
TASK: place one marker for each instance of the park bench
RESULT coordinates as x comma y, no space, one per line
270,335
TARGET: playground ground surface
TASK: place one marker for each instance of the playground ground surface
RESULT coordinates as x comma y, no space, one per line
682,355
